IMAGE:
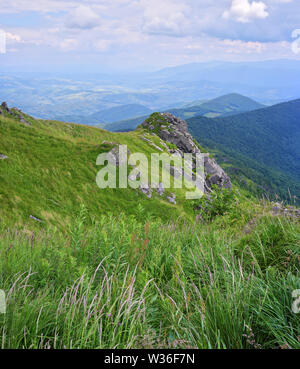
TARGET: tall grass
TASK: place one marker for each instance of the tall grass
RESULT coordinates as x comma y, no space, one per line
124,283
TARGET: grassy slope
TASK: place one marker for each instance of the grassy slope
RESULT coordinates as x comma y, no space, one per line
125,282
132,280
52,169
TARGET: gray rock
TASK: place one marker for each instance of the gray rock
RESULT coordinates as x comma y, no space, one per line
146,191
110,143
22,120
14,112
215,174
176,172
172,198
160,190
177,134
288,211
34,218
134,176
152,144
113,156
5,107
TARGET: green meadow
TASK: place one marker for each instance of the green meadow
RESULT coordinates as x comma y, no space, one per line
115,269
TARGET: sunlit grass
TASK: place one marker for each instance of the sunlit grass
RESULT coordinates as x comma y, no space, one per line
125,283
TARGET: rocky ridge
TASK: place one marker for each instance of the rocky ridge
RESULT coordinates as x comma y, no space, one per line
173,136
13,112
174,131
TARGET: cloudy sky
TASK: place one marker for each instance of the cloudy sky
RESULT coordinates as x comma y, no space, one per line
148,33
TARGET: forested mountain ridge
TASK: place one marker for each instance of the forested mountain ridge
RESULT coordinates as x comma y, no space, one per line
268,137
229,104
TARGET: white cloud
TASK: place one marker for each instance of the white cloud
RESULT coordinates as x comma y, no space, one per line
43,6
282,1
13,37
164,17
82,17
135,30
102,45
68,44
241,47
244,11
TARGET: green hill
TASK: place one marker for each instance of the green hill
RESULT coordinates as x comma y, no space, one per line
263,143
84,268
230,104
126,124
226,105
121,112
51,169
106,116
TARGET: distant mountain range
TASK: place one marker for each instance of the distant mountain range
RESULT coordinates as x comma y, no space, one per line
263,144
110,115
224,105
74,96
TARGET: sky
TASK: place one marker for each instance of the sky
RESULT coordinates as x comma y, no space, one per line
146,34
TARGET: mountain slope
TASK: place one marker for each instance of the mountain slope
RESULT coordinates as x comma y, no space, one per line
106,116
121,112
48,168
95,269
51,169
225,105
231,103
125,125
267,138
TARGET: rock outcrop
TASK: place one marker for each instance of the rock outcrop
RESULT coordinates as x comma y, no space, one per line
13,113
174,131
114,155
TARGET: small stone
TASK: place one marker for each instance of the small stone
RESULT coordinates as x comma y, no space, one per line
160,190
171,200
34,218
114,159
146,190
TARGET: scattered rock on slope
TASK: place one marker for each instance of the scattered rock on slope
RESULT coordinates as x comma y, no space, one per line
288,211
113,154
13,113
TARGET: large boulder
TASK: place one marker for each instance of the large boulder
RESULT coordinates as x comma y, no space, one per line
4,107
113,154
175,131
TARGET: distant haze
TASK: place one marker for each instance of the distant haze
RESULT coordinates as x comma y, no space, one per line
97,98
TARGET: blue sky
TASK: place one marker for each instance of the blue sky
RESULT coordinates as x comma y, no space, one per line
147,33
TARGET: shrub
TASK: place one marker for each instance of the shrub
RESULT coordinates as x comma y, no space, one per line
219,202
